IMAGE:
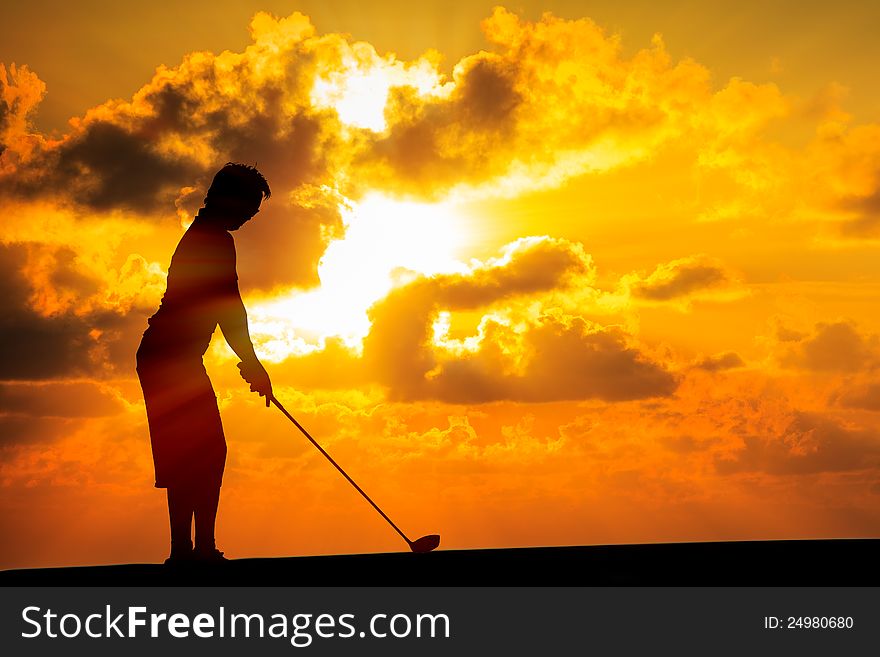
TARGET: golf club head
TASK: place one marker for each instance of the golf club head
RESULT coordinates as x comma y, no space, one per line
425,543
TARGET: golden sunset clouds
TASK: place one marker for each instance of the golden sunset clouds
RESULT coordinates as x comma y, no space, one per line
567,288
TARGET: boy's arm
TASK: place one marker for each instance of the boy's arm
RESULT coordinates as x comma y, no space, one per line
233,323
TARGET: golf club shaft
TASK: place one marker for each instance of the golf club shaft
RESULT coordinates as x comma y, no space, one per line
338,467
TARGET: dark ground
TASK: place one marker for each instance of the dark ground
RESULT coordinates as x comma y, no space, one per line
839,562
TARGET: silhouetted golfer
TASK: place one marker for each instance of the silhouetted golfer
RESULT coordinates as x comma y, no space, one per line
189,449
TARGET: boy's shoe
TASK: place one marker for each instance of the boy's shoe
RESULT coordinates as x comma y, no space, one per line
209,556
178,557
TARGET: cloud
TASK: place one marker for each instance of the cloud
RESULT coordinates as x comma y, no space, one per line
58,399
810,443
527,266
283,246
481,412
44,334
858,394
568,358
153,155
866,222
18,430
686,444
48,411
34,346
720,362
549,100
20,93
830,347
685,280
549,357
434,144
334,366
602,468
186,122
844,166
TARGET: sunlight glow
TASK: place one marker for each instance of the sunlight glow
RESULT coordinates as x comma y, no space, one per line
359,91
384,241
441,338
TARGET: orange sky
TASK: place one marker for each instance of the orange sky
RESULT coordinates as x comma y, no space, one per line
597,275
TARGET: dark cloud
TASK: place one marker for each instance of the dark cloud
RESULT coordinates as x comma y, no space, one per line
720,362
37,346
397,348
864,395
397,345
864,211
574,360
181,126
786,334
124,162
866,223
157,152
546,101
565,359
810,444
33,346
58,399
830,347
686,278
284,243
863,227
432,143
505,111
847,170
553,358
532,265
486,92
686,444
23,430
108,167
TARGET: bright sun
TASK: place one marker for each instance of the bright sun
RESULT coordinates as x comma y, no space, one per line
359,90
383,240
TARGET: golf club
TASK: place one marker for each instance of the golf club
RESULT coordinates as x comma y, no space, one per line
423,544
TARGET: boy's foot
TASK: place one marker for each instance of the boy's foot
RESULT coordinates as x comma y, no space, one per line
209,556
178,557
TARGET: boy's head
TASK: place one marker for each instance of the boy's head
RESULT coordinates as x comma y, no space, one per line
235,194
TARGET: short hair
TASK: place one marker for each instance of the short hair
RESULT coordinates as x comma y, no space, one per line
236,179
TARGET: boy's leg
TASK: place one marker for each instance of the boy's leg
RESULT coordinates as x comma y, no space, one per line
181,506
207,500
